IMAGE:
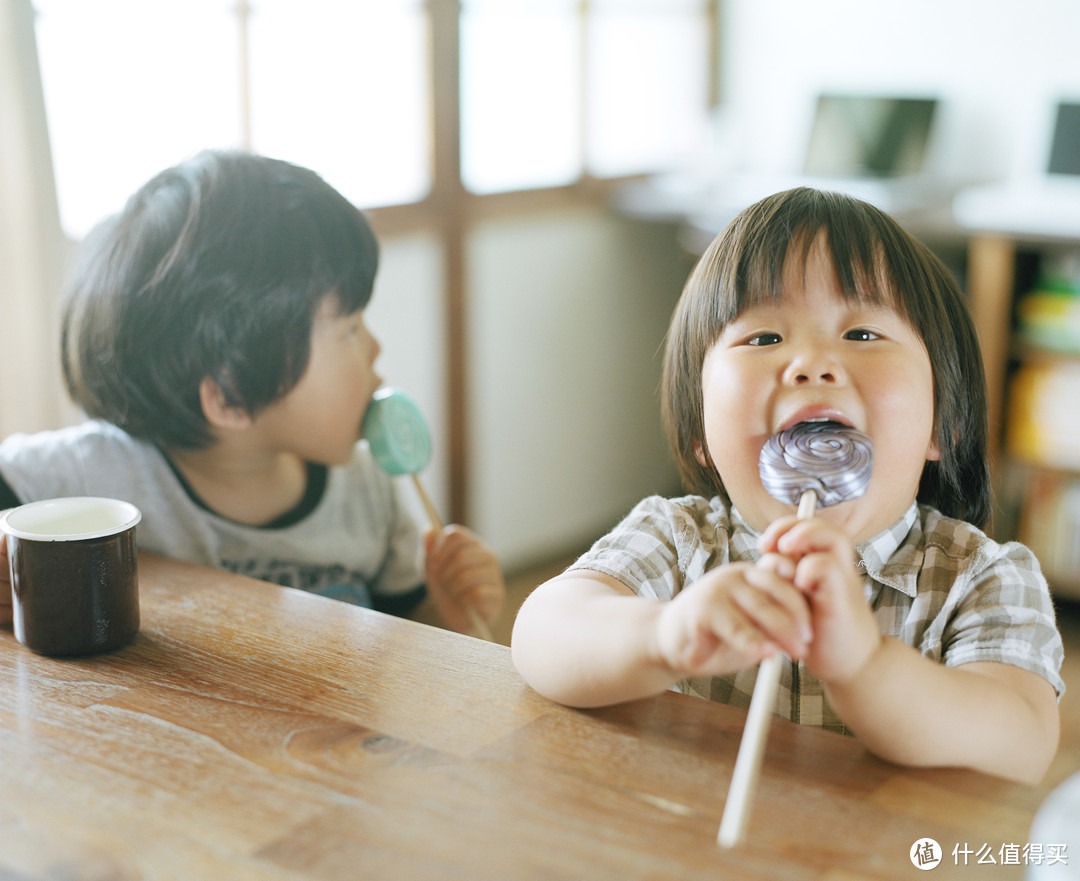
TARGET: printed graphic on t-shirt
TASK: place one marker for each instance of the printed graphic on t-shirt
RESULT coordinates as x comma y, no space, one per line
333,581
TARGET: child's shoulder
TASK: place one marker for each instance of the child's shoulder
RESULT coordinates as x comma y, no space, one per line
963,542
692,509
687,526
92,458
89,437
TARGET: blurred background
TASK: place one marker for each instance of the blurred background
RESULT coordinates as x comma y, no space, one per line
542,175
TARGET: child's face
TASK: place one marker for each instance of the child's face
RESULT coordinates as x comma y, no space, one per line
815,355
319,419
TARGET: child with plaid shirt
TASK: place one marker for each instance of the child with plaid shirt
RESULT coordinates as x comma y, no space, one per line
906,625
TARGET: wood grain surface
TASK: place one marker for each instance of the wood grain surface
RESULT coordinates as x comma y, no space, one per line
255,732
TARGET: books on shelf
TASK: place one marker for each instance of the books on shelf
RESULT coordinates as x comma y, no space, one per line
1043,425
1050,526
1043,420
1050,319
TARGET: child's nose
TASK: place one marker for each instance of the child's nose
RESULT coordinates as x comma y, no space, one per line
812,368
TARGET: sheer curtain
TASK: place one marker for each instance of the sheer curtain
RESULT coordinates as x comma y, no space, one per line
34,254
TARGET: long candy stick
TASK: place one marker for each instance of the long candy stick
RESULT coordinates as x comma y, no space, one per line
400,444
752,746
809,464
479,625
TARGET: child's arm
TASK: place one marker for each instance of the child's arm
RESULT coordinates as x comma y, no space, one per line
462,572
585,639
905,707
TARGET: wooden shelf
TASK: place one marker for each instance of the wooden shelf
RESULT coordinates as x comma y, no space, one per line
1032,493
992,284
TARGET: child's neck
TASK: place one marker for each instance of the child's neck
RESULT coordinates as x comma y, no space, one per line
251,487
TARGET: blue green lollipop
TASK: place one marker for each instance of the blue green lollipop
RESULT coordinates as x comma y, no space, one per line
401,444
397,433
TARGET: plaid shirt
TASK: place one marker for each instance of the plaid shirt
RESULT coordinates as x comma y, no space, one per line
933,582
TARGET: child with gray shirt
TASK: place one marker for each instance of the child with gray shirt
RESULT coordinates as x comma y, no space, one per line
214,334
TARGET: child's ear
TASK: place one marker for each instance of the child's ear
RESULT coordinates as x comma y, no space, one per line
700,455
933,452
217,409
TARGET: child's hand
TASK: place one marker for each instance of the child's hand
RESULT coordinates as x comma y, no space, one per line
733,617
462,572
5,583
845,634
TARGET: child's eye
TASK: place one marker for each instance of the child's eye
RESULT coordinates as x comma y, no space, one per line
861,334
764,339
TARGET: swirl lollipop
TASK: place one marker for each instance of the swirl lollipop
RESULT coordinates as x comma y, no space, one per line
400,444
826,458
810,464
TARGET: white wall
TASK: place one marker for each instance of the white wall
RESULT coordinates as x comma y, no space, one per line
567,318
998,65
567,313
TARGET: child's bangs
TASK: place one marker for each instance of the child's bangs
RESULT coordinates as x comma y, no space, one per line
347,255
355,259
857,258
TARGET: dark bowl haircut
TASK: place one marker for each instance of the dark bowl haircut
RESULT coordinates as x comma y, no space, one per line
214,268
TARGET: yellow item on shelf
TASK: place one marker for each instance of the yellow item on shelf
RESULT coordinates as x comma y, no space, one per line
1044,415
1050,319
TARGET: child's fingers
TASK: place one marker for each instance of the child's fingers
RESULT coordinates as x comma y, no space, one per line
465,571
444,544
464,564
778,564
479,589
776,609
455,550
767,542
813,536
713,643
745,635
827,584
732,618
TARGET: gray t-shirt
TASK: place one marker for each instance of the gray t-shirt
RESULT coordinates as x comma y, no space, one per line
356,541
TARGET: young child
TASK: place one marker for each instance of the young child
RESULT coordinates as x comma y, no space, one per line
214,333
906,625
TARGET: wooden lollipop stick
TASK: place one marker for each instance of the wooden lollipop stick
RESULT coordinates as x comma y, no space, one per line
752,746
429,506
479,625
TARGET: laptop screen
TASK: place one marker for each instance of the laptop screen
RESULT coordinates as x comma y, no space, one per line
1065,146
869,136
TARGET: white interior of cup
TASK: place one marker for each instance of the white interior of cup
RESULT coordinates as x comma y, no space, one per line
70,519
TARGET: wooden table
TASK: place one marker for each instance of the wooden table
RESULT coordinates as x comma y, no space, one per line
256,732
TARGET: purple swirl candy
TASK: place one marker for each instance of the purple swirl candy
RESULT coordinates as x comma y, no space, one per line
829,458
